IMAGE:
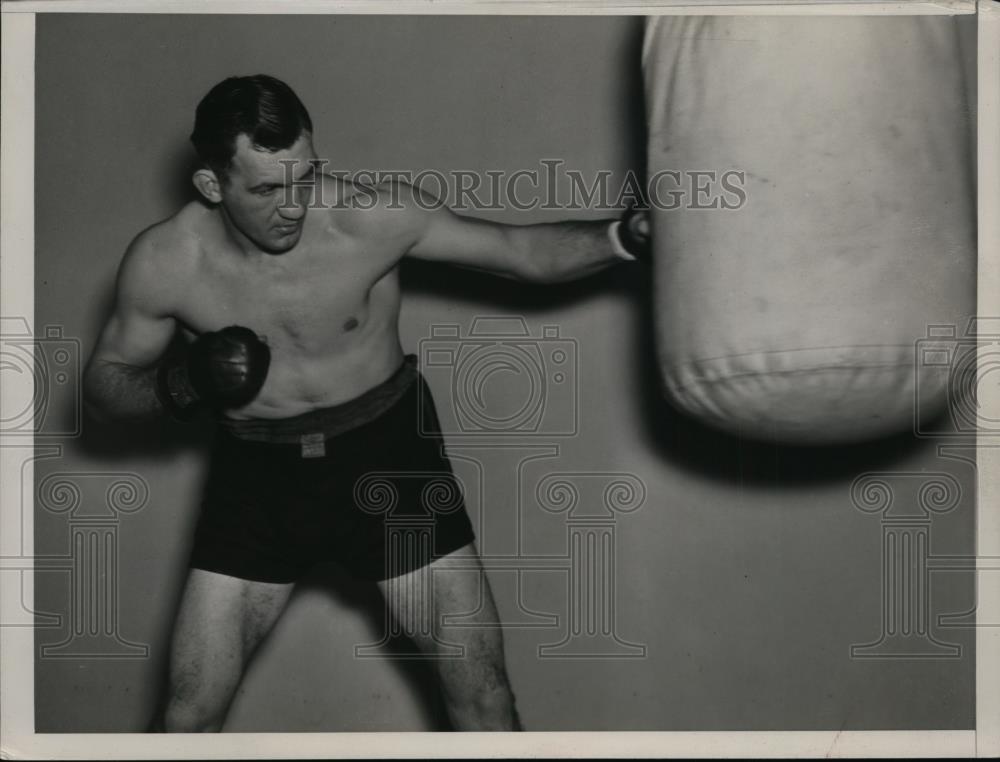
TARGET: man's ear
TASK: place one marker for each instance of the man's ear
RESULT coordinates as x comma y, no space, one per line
208,185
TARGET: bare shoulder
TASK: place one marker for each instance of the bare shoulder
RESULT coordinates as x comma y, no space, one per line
391,209
161,259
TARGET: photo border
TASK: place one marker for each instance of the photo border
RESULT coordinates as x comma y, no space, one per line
17,271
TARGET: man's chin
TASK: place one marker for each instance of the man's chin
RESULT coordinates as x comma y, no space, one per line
280,244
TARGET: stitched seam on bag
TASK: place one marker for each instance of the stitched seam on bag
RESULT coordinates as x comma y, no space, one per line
772,352
812,369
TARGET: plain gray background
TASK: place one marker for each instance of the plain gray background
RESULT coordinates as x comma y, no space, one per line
747,574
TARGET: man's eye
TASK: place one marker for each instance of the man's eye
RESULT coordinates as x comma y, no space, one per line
266,191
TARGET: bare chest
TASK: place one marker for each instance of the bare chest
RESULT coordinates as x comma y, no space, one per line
310,306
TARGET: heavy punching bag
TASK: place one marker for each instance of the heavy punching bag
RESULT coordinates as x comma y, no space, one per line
794,314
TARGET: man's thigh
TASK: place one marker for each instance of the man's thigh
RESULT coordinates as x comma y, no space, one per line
424,600
220,622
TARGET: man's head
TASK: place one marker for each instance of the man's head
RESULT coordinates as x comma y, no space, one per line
254,139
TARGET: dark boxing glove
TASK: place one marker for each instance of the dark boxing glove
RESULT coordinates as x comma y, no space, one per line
630,237
221,369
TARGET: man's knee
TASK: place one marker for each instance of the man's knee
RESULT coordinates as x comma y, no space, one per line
478,678
192,714
186,718
487,708
492,701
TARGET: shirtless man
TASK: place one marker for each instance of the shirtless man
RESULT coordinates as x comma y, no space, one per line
290,311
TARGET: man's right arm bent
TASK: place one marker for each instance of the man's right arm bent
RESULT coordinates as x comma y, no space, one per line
120,378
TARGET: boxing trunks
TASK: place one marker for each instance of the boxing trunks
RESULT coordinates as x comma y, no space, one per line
364,483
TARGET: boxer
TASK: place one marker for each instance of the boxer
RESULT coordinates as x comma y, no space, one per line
290,312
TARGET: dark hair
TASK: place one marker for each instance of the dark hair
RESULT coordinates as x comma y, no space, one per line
263,108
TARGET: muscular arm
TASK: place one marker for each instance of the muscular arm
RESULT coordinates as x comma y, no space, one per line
120,378
563,251
540,253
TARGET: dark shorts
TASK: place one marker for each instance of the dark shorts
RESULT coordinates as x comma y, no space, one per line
365,484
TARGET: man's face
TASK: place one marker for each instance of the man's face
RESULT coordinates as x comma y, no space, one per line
266,195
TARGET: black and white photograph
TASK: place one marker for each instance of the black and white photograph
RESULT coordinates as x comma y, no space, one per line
371,376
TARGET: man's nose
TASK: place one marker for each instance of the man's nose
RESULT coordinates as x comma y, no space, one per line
293,207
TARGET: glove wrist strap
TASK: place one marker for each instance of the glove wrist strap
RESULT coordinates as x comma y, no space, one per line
173,389
614,235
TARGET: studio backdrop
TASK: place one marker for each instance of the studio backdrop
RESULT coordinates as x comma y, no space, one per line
652,571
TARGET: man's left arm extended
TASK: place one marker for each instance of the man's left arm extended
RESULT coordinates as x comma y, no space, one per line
550,252
565,251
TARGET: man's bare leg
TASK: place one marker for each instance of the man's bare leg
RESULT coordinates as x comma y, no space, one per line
476,690
220,623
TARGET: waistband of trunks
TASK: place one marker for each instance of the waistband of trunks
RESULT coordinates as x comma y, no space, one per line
330,421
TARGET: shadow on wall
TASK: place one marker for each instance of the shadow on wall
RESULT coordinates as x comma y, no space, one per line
723,457
367,602
159,436
179,165
674,436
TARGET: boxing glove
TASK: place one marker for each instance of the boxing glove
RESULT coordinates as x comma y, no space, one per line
221,369
630,235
